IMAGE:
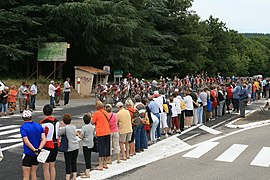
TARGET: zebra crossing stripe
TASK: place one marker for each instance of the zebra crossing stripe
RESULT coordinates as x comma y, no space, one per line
201,150
232,153
9,131
5,141
209,130
8,127
262,158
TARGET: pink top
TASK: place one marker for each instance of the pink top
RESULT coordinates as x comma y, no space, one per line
113,122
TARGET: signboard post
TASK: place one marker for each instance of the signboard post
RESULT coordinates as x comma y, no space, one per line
117,74
52,52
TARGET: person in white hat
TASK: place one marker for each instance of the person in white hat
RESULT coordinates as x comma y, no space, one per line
33,141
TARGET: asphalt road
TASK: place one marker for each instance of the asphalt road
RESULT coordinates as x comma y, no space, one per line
10,142
173,167
241,156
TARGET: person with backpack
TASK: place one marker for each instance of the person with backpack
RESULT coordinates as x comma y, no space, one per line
51,127
134,114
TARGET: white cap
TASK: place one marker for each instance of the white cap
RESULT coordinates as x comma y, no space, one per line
27,114
119,104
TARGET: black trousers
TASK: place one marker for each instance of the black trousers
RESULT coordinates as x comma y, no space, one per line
236,104
87,156
182,120
71,161
66,98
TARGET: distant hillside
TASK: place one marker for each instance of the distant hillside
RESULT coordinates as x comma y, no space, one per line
256,34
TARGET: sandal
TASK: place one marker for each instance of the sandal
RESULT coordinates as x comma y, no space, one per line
106,167
84,176
99,169
118,161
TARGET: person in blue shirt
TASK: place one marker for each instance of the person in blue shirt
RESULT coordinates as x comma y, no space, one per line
236,92
33,141
243,97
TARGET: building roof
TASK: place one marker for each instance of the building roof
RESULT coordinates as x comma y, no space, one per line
91,69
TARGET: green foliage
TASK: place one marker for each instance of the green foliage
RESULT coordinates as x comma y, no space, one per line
145,37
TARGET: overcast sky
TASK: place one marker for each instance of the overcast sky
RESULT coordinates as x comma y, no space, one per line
241,15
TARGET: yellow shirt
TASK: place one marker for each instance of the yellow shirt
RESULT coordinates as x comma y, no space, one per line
124,121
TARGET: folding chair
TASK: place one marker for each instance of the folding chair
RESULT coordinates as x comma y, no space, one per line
264,108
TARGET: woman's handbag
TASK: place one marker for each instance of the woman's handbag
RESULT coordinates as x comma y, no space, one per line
95,147
64,143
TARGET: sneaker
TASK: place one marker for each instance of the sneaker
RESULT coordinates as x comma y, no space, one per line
158,138
166,135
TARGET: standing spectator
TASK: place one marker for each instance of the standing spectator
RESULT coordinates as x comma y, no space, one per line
114,141
140,135
33,141
22,96
194,96
236,92
177,102
57,94
27,98
221,102
66,91
249,88
229,97
203,97
73,146
154,108
33,96
101,120
12,99
243,96
87,134
125,129
174,116
200,111
3,100
133,112
189,108
163,115
254,90
51,127
213,98
51,93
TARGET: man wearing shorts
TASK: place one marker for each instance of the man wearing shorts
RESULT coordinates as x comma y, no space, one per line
33,141
125,129
51,127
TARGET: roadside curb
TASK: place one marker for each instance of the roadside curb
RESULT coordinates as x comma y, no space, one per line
247,125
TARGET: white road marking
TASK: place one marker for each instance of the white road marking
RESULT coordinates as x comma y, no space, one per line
232,153
201,150
16,136
10,141
209,130
262,158
9,131
5,117
9,127
13,146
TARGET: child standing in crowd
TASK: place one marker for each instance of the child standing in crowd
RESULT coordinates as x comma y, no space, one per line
33,141
87,134
73,146
51,127
12,99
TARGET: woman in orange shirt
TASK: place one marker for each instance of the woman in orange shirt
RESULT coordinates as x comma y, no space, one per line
12,99
101,120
